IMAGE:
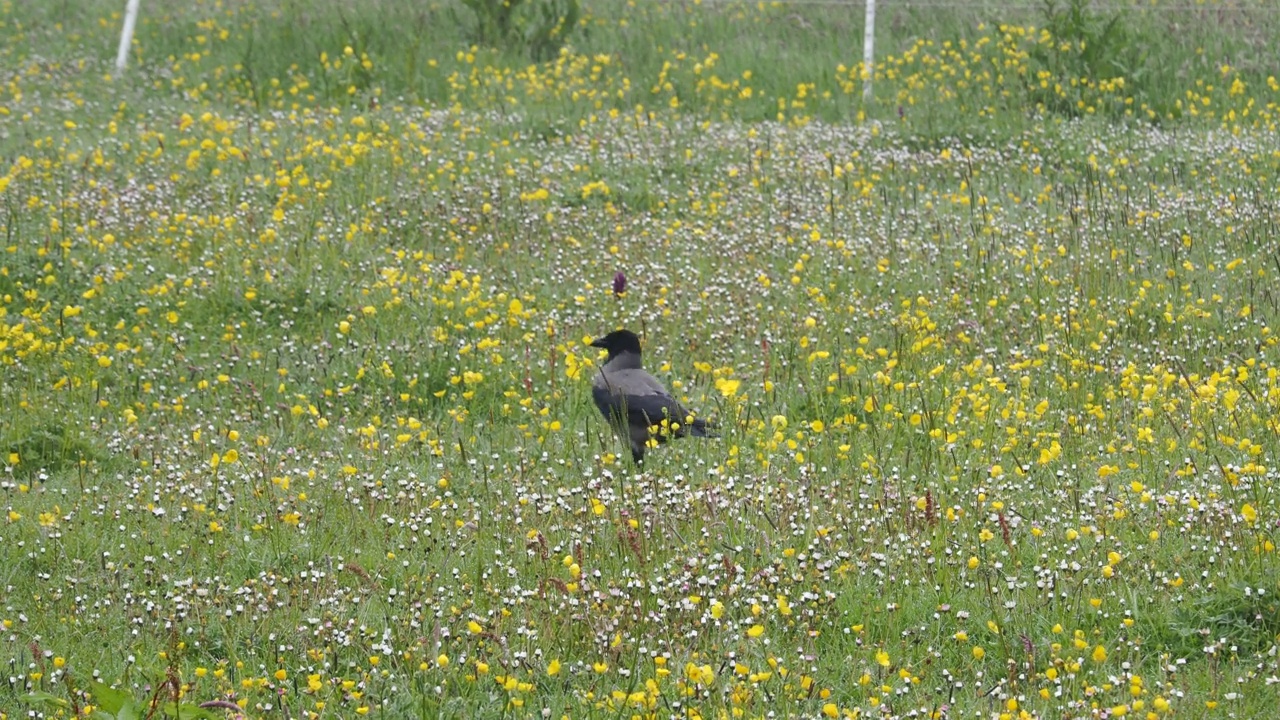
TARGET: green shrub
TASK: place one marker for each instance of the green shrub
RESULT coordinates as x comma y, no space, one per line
538,28
1089,60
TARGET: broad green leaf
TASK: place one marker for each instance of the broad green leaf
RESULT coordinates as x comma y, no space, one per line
45,699
187,710
109,698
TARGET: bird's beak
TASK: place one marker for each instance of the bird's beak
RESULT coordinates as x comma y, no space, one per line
598,343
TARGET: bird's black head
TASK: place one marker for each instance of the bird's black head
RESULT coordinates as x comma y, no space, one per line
618,341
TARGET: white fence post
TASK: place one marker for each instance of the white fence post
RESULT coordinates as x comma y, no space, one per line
869,49
126,35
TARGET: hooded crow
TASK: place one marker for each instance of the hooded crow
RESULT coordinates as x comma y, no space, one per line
633,401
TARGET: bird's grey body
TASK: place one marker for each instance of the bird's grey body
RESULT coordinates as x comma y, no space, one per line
633,401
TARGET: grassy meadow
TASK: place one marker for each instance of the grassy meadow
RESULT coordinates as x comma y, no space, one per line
296,386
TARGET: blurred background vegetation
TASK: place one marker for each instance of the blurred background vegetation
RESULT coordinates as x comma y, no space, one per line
943,67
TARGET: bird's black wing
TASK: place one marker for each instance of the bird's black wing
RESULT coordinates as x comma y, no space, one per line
639,398
637,410
633,401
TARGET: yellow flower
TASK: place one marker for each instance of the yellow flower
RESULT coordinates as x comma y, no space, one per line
882,658
727,387
755,631
1099,654
553,668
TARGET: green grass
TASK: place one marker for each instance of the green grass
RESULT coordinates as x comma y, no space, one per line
293,357
941,71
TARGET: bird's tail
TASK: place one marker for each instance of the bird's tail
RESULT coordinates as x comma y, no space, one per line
702,428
